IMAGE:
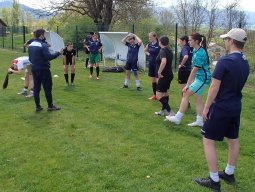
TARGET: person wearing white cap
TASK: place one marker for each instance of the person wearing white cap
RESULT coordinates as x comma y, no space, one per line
223,107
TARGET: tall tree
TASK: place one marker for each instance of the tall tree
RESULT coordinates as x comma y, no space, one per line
182,12
15,13
213,15
6,15
101,11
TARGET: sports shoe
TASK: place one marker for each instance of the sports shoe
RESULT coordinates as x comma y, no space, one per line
98,78
23,92
209,183
196,124
72,84
90,76
31,94
67,84
125,86
139,89
38,109
153,97
160,113
53,108
173,119
230,179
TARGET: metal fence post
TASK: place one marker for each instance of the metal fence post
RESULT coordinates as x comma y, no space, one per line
133,28
57,30
3,35
12,36
24,38
175,55
76,35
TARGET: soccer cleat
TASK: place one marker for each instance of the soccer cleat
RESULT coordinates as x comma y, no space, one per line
98,78
230,179
160,113
209,183
53,108
67,84
153,97
139,89
90,76
31,94
125,86
196,124
23,92
173,119
72,84
38,109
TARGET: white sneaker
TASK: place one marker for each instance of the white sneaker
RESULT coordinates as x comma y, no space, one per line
160,113
196,124
173,119
31,94
23,92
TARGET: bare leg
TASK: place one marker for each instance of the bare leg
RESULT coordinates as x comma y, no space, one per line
210,154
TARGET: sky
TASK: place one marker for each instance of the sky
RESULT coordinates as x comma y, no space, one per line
247,5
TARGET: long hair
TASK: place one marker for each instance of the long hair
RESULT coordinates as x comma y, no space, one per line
154,35
201,40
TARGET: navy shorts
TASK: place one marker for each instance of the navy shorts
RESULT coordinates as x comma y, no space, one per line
183,76
152,69
131,65
163,84
68,62
221,124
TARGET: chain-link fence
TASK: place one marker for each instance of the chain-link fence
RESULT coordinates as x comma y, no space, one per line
13,38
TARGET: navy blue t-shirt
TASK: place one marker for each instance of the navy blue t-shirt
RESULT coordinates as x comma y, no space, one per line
232,70
94,46
186,50
132,54
153,49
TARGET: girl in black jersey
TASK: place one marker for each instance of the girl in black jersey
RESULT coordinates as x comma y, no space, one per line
69,54
165,75
152,50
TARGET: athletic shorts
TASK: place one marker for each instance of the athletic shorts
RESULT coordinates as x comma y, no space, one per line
29,69
220,124
68,62
131,65
163,84
94,58
183,76
198,86
152,70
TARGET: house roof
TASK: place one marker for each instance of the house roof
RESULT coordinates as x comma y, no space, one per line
3,23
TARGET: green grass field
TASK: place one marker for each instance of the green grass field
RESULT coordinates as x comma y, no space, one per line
107,139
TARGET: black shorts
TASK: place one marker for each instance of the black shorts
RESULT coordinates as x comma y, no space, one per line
68,62
183,76
131,65
221,124
163,84
152,69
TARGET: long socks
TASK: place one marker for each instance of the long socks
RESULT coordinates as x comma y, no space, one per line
97,70
154,87
66,78
72,77
91,70
165,104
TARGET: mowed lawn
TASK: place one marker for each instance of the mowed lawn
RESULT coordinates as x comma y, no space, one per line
108,139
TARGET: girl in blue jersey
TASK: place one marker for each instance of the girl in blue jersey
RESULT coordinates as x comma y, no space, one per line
199,79
151,50
94,47
132,58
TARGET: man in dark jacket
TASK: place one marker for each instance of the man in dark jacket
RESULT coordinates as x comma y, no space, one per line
40,57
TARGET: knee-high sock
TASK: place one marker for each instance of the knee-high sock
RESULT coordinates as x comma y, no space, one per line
72,77
87,61
91,70
165,104
97,70
154,87
66,78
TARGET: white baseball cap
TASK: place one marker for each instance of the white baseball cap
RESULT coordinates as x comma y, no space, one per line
237,34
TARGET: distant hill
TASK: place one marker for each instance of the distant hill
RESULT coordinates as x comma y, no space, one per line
27,9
